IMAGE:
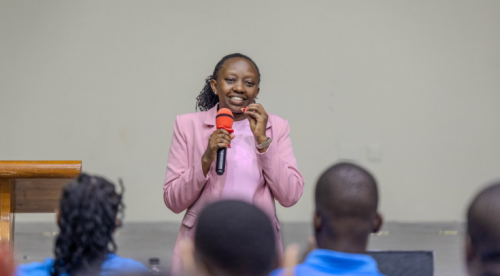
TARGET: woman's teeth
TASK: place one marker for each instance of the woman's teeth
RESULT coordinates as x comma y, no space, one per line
237,98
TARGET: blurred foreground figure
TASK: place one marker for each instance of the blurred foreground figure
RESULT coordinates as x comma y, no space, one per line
483,233
345,216
87,217
6,260
232,238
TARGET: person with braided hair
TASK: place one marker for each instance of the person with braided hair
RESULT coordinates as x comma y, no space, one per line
89,212
260,164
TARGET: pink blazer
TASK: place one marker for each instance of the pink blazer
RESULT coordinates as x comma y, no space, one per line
186,187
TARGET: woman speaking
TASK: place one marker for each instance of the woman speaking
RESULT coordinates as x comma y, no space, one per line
260,165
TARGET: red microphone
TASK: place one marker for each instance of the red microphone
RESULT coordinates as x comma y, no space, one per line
224,120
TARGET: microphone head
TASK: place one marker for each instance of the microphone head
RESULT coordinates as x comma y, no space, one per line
225,119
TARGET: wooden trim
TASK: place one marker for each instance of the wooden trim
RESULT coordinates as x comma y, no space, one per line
5,211
40,169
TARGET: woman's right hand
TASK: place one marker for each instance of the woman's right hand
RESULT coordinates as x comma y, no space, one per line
219,139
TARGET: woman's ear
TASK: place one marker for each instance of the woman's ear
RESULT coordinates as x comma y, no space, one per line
213,85
377,223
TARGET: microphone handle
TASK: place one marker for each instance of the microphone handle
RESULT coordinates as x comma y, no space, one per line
221,161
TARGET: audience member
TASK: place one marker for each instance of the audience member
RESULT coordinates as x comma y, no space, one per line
345,216
231,238
87,217
483,233
6,260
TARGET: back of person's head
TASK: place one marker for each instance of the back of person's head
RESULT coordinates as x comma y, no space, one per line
346,208
87,218
234,238
483,233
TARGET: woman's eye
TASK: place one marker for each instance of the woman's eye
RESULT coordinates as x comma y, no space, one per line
249,83
230,80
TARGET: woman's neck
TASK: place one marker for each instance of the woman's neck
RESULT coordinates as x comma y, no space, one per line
239,116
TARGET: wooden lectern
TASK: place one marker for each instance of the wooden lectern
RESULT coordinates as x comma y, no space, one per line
31,187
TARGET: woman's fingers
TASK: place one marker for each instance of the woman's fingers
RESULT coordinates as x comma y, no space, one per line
223,144
256,112
223,133
221,130
255,108
221,139
252,119
225,136
251,114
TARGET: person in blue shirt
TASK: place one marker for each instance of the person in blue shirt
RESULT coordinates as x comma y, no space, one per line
482,242
89,212
345,216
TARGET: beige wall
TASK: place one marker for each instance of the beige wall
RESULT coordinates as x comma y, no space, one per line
410,89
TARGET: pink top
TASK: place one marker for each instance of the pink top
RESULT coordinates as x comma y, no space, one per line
243,172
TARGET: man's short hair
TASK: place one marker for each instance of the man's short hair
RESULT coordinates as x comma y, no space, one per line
347,190
236,237
483,223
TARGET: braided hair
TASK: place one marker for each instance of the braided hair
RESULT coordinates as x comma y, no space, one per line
89,208
207,98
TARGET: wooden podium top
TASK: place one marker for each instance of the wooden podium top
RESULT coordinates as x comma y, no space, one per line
40,169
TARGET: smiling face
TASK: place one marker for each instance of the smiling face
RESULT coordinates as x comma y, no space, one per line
237,85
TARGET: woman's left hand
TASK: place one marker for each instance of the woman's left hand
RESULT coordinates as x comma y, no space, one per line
257,117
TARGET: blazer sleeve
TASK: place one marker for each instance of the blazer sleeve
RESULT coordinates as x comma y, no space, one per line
280,169
183,181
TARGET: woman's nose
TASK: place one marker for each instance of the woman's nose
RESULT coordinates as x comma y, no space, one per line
238,87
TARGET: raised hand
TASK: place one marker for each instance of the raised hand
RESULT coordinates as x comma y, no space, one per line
290,259
257,116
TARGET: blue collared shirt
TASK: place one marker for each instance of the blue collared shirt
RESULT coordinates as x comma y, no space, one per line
113,265
322,262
